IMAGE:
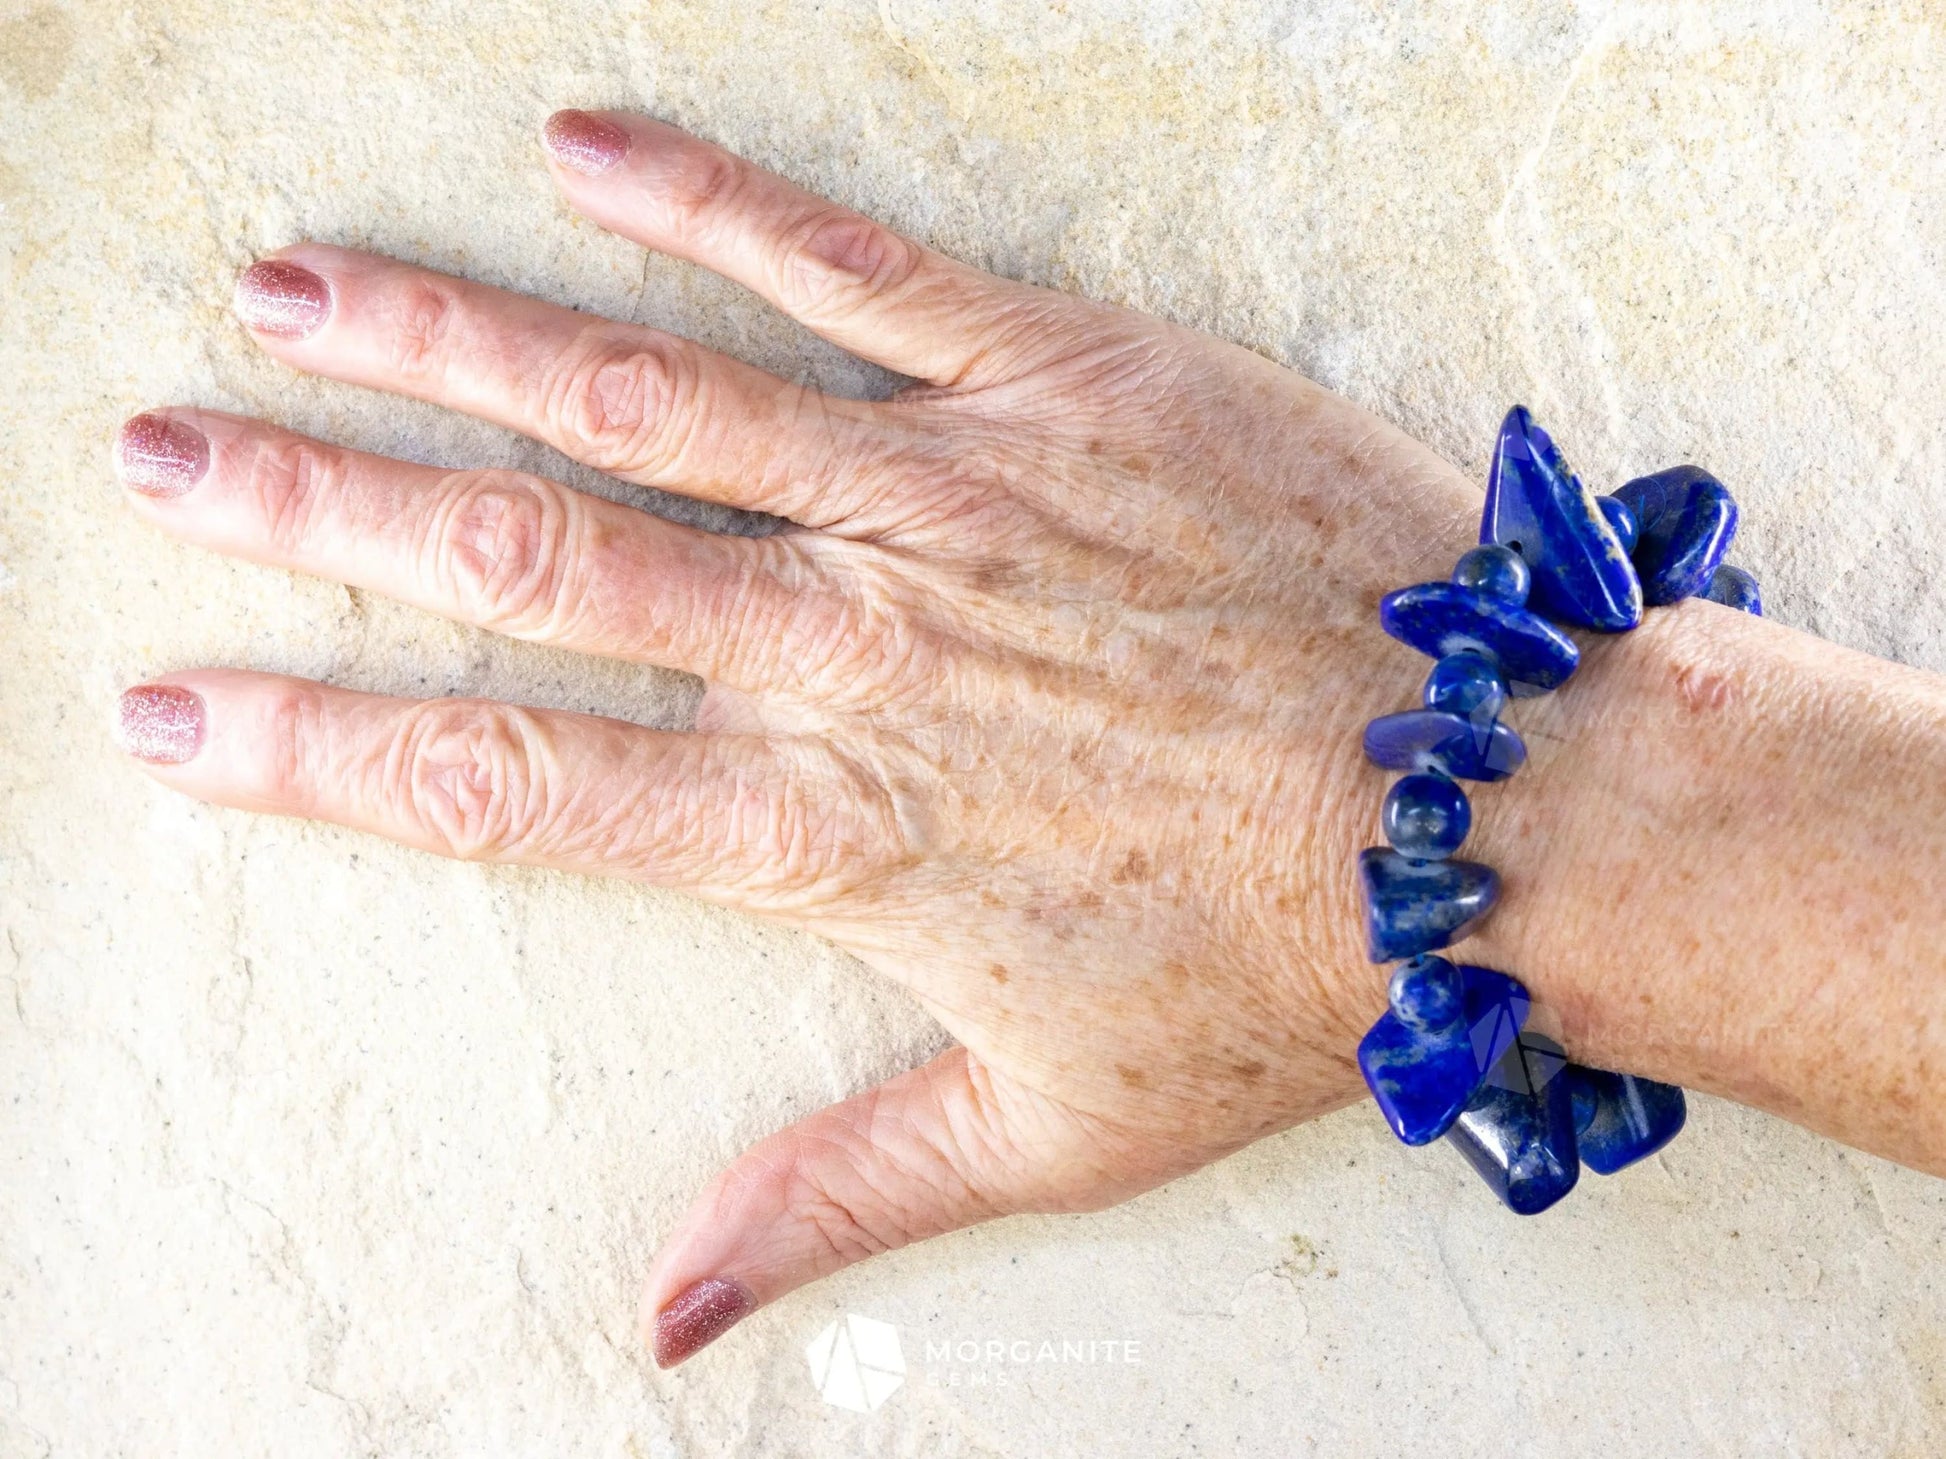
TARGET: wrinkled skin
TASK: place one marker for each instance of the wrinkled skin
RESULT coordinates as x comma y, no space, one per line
1047,707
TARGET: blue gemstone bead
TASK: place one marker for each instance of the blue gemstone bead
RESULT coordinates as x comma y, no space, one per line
1466,684
1420,906
1497,571
1426,816
1620,1118
1627,529
1688,520
1518,1130
1423,1074
1735,588
1427,994
1440,619
1540,508
1428,740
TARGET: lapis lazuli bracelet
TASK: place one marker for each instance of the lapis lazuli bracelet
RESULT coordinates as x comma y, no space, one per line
1452,1055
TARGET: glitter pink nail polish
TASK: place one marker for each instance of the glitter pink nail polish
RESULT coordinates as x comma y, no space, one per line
276,296
160,723
589,144
697,1316
160,457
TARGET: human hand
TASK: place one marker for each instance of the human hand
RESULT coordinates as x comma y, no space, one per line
1048,709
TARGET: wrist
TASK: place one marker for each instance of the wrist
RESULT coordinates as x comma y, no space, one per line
1696,865
1600,848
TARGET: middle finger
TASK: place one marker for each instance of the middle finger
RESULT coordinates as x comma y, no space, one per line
515,553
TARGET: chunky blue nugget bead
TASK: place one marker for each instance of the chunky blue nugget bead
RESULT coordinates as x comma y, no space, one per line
1440,619
1445,744
1622,1118
1427,1055
1426,816
1540,508
1466,684
1414,906
1517,1131
1735,588
1627,529
1688,520
1497,571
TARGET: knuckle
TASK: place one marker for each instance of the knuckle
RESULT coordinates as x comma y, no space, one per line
865,1192
839,259
849,1233
799,838
292,766
700,186
873,649
824,831
621,409
288,481
500,550
469,777
832,1189
420,317
847,630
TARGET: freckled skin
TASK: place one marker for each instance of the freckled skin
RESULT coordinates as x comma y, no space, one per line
1050,710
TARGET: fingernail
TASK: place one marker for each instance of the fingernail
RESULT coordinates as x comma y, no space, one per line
161,723
587,143
160,457
276,296
697,1316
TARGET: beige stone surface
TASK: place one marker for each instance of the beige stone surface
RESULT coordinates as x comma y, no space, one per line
315,1147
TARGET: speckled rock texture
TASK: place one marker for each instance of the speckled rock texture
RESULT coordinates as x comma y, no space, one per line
315,1147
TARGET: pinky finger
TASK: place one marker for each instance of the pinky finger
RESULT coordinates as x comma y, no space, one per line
772,825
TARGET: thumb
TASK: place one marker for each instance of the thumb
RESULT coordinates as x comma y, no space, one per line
945,1146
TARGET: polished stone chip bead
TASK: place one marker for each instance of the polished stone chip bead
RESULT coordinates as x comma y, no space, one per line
1497,571
1426,1057
1440,619
1622,1118
1414,906
1466,684
1688,521
1426,816
1517,1131
1622,520
1430,741
1540,508
1735,588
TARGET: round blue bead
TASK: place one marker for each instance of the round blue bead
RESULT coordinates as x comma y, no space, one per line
1735,588
1497,571
1466,684
1426,816
1622,518
1427,993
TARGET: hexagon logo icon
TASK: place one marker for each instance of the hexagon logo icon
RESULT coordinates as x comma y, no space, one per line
857,1362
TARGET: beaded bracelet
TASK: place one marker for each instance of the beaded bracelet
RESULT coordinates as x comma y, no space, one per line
1452,1055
